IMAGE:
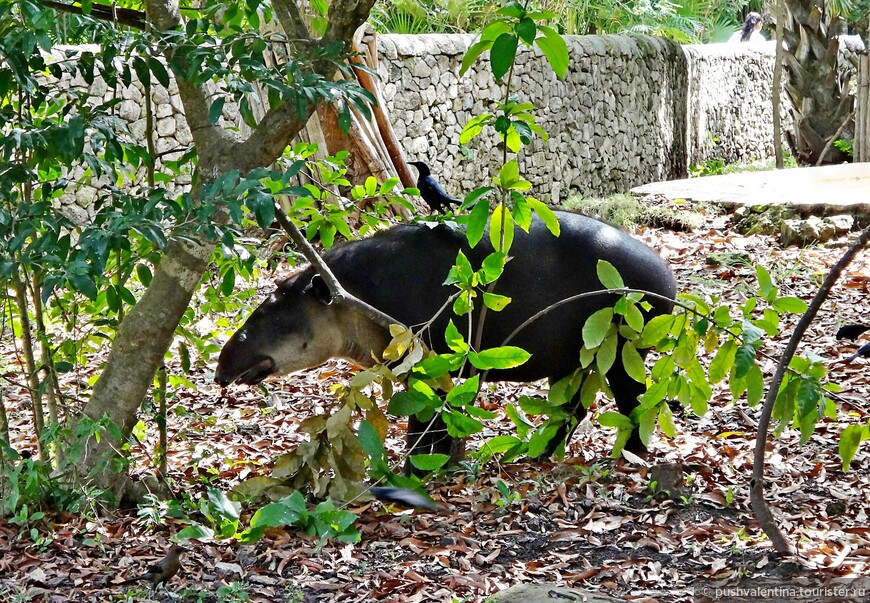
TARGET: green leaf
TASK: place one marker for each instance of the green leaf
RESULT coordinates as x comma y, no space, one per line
502,54
472,128
744,359
792,305
495,302
84,284
159,71
429,462
344,117
476,224
473,52
666,421
196,532
656,329
479,413
275,515
596,327
370,440
228,283
222,505
500,444
463,304
492,267
460,425
634,318
849,441
722,362
454,339
435,366
547,216
526,30
592,384
464,393
509,174
754,385
633,363
541,438
142,71
499,358
554,48
534,406
564,390
405,404
615,419
511,9
495,230
608,275
765,283
606,354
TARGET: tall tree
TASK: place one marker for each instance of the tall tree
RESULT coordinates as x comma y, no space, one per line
818,91
147,330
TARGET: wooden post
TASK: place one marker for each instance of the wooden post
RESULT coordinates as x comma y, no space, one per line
862,111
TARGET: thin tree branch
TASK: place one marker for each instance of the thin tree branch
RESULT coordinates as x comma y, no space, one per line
214,145
777,85
114,14
291,20
338,293
756,485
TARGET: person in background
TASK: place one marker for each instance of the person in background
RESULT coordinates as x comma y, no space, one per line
751,30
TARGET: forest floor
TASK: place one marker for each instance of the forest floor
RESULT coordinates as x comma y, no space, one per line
589,522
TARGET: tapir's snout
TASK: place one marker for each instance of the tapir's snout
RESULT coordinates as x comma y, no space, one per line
247,375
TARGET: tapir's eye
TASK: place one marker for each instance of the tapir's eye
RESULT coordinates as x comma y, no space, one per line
304,345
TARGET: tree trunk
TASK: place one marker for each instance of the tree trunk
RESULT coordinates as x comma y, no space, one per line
819,93
137,353
147,330
862,111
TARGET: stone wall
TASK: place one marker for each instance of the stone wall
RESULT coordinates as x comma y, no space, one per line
730,111
631,110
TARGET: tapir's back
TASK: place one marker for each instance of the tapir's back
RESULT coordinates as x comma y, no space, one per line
402,273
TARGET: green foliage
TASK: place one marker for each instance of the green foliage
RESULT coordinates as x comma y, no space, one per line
84,273
429,16
29,486
845,145
686,22
324,521
221,519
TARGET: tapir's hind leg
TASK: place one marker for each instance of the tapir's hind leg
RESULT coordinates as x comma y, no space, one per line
625,392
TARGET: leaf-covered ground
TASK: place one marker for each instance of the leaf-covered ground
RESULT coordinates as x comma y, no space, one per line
589,522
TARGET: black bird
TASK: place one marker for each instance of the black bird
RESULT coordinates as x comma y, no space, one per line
851,332
434,196
404,497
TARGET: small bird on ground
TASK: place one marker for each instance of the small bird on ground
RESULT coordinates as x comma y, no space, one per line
163,570
434,196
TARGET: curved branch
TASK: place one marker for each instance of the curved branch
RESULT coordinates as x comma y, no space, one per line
338,293
756,484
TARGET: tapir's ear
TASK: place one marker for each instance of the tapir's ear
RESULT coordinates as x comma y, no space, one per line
318,289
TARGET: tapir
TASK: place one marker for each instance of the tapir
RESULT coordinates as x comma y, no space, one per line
401,271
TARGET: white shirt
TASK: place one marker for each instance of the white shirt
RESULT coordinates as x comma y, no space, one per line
754,38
